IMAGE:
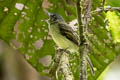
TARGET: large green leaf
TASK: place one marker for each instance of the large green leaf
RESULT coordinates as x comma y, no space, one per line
26,29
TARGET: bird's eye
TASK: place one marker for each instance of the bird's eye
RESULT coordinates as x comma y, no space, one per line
53,17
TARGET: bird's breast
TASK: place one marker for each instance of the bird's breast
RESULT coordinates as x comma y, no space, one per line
61,40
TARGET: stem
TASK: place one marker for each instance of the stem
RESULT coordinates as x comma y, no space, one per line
55,65
103,3
83,30
99,10
61,63
81,41
65,67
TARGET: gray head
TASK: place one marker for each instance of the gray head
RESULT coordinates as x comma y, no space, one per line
54,18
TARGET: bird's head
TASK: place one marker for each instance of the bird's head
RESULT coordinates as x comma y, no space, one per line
54,18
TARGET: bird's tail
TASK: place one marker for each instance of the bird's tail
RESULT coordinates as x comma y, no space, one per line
90,65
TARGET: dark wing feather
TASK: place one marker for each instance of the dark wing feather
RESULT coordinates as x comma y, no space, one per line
68,32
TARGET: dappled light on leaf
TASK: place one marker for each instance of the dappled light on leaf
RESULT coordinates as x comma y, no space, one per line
23,25
38,44
19,6
46,60
114,25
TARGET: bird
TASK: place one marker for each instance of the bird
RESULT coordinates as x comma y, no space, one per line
63,35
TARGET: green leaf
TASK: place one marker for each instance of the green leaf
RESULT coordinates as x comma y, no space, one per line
27,27
114,25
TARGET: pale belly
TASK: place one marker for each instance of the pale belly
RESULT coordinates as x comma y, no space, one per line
62,41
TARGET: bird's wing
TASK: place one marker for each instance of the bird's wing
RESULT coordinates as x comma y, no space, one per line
68,32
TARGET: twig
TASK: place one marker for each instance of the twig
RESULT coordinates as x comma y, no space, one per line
55,65
106,9
64,67
81,36
79,15
103,3
86,20
83,30
61,63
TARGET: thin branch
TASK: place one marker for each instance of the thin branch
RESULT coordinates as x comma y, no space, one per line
61,63
65,67
83,30
99,10
103,3
79,15
55,65
81,38
86,19
83,25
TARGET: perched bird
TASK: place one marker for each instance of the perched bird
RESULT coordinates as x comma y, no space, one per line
63,35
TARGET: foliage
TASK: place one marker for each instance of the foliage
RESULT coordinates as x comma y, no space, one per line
26,30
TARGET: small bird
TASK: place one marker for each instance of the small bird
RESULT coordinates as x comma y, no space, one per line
63,35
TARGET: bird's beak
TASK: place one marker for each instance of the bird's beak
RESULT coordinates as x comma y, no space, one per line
48,13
